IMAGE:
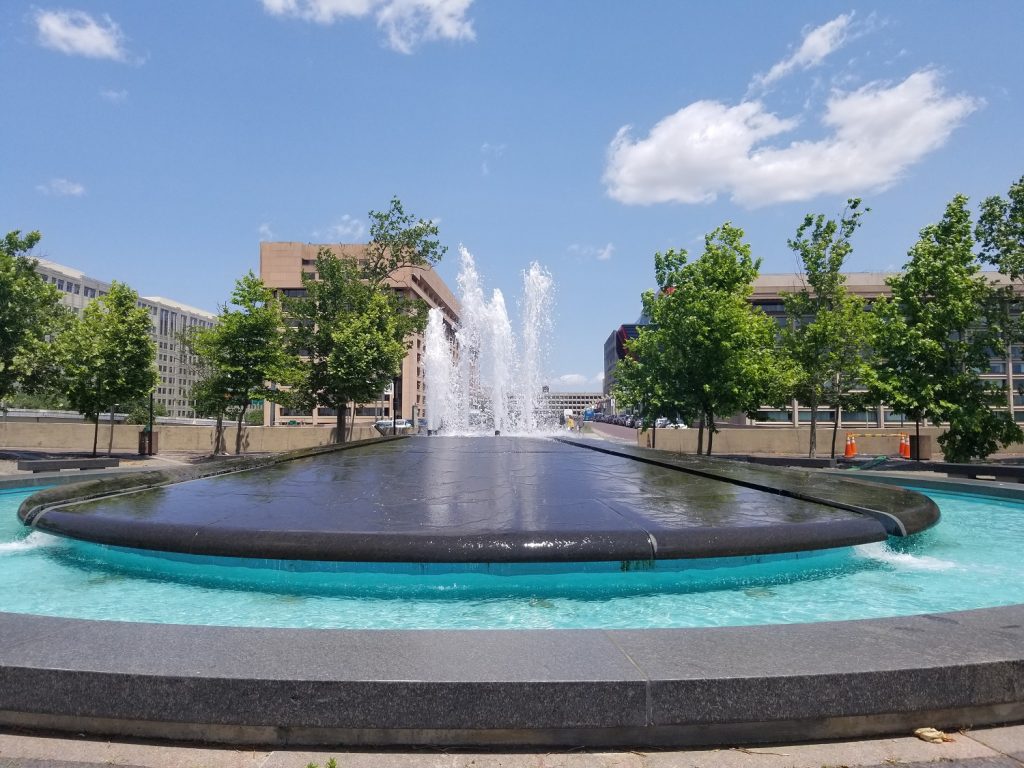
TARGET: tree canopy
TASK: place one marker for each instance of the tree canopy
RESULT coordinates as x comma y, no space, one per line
709,352
30,313
107,357
399,239
348,336
239,355
1000,231
936,334
828,332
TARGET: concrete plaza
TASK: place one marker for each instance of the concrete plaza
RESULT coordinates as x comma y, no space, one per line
982,748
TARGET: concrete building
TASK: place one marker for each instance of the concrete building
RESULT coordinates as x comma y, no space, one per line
282,265
1005,370
577,402
169,318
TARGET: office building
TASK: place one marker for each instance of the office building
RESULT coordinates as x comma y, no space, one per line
577,402
169,318
282,266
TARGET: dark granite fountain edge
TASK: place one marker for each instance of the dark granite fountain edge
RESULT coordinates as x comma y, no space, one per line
93,488
680,687
900,512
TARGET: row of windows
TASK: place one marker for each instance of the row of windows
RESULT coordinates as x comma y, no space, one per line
69,286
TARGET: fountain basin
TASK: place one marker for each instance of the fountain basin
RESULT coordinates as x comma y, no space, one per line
488,500
726,686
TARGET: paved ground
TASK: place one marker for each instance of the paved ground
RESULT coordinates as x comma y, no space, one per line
983,748
9,466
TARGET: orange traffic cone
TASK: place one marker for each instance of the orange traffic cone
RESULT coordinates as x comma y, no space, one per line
904,445
851,446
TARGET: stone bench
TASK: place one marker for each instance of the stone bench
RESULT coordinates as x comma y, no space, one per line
1012,473
1003,472
55,465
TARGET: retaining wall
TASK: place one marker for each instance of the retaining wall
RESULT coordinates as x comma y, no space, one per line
790,441
78,437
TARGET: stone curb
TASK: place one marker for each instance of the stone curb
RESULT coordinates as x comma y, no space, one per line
690,687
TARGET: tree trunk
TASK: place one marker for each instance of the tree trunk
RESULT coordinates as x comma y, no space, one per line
96,425
218,434
917,430
835,430
339,437
700,435
711,430
654,436
812,451
238,431
110,443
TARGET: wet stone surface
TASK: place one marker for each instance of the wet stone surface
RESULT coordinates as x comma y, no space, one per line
490,499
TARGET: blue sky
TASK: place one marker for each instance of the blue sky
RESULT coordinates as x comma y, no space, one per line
158,143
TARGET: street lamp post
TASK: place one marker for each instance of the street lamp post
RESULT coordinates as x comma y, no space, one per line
394,406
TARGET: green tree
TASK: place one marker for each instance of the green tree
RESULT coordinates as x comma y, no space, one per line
30,314
208,389
107,356
642,384
397,240
347,335
936,333
711,352
828,333
1000,232
239,355
137,411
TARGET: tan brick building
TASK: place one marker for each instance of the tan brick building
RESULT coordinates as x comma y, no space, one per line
282,265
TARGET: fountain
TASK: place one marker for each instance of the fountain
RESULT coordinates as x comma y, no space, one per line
580,562
477,378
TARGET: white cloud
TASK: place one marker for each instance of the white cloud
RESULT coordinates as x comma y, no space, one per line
76,33
265,232
487,151
571,380
818,43
114,97
348,229
598,252
406,23
577,382
61,188
709,148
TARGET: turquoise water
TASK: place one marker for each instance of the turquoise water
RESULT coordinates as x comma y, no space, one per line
973,558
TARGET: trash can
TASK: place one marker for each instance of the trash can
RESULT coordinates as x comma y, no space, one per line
147,443
921,447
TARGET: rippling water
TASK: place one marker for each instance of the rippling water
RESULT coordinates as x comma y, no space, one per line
973,558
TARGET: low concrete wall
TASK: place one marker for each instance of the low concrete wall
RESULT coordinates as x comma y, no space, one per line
78,437
790,441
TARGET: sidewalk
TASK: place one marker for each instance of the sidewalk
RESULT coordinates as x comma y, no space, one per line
9,466
983,748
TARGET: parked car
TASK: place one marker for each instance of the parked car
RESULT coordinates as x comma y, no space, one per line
384,425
